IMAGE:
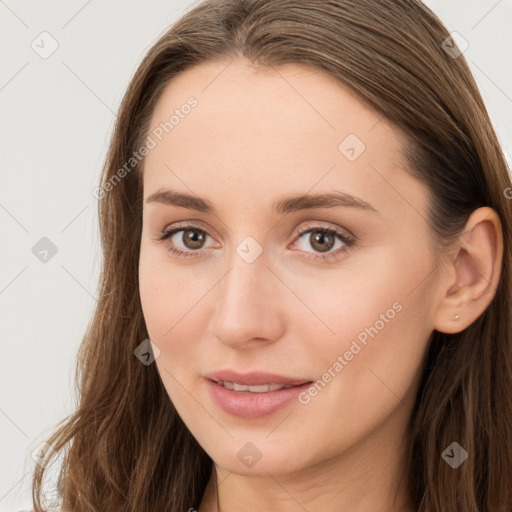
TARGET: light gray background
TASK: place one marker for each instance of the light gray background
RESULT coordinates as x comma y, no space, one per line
56,118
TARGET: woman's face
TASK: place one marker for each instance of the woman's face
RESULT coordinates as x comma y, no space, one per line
262,288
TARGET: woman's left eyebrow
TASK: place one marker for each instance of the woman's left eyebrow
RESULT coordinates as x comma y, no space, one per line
326,200
281,207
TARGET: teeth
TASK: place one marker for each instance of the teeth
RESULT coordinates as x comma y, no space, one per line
261,388
275,387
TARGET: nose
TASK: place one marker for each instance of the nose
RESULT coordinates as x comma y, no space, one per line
249,310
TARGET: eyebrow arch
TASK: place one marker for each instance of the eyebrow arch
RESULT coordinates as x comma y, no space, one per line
287,205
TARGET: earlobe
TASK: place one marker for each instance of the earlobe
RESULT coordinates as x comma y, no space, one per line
474,272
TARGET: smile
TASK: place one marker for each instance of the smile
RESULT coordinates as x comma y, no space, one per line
261,388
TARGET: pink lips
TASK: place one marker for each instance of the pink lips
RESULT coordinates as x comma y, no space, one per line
247,404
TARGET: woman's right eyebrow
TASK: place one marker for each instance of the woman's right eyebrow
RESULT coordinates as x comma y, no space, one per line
290,204
172,198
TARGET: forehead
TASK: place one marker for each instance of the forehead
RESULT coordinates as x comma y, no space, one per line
261,131
262,101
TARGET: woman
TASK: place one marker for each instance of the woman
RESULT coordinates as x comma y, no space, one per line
304,208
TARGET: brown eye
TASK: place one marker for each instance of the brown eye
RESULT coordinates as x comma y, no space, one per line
190,243
193,238
322,241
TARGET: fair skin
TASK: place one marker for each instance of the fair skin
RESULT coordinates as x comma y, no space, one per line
259,135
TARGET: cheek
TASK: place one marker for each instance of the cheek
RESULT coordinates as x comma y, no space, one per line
374,288
175,307
380,320
167,292
167,306
372,309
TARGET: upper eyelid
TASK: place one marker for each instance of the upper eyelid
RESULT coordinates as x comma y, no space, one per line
176,228
308,225
311,225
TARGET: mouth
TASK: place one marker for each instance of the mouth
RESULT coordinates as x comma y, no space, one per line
257,388
253,395
254,382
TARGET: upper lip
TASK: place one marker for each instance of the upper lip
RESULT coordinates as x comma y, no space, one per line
254,378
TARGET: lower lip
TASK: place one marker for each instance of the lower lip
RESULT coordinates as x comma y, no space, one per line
245,404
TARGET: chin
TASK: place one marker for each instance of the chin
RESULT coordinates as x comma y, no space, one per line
259,457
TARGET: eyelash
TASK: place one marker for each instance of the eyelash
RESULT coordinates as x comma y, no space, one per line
347,241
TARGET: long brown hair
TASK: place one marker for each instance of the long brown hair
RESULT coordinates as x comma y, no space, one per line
125,448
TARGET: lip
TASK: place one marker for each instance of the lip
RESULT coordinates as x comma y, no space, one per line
248,405
254,378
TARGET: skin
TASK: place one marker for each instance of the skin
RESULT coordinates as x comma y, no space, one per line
256,136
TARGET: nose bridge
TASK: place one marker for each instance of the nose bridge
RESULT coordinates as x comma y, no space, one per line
246,297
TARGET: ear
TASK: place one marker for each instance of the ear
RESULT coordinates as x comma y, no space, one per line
473,272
